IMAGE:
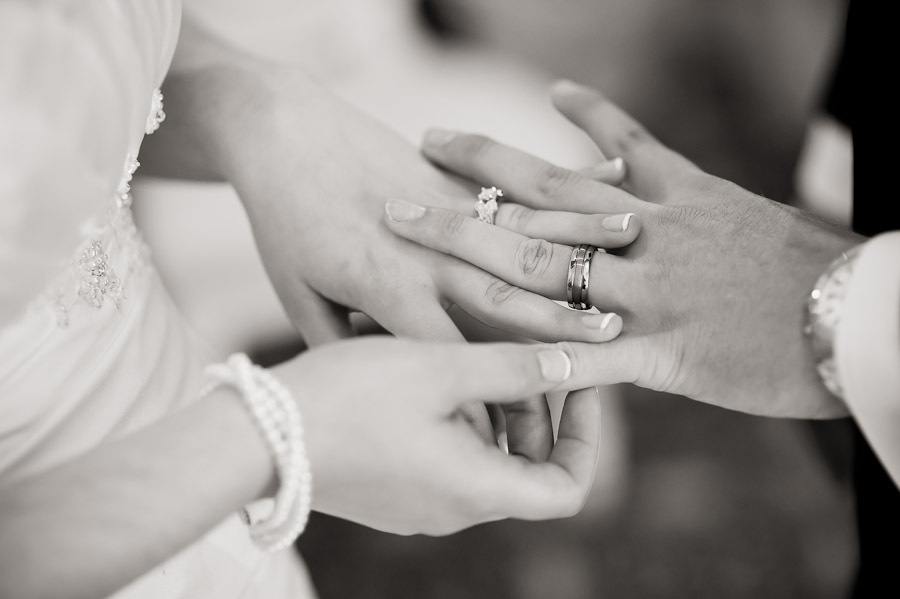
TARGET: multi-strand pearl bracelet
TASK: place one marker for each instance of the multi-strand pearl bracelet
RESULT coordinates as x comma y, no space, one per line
276,415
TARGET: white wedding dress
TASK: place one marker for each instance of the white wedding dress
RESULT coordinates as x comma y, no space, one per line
91,346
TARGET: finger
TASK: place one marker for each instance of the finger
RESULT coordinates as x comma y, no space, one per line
559,487
622,360
318,319
498,304
570,228
416,316
523,177
422,317
531,264
529,429
500,373
611,172
652,166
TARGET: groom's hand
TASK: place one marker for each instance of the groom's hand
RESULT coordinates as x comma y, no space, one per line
713,292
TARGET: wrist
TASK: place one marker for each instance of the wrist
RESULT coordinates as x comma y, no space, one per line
274,412
250,457
224,100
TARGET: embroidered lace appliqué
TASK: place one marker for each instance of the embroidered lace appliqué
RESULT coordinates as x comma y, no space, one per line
91,279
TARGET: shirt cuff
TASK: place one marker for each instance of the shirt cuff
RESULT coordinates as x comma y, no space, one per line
867,347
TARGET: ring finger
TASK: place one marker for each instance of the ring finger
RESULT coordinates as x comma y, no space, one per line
569,228
507,307
530,264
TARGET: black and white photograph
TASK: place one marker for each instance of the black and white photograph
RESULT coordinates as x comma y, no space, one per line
448,299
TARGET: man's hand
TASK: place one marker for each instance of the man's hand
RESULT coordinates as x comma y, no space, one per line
713,292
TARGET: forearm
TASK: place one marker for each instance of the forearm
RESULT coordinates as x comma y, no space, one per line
94,524
867,348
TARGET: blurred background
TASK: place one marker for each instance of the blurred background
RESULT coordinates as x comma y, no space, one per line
690,500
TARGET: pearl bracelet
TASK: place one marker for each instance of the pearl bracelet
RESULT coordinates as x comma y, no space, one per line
275,414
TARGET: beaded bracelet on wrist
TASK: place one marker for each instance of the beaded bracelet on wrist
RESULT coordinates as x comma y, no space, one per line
275,413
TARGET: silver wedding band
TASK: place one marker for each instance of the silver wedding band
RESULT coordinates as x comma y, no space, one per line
579,277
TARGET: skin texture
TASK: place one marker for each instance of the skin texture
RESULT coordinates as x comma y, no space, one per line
713,291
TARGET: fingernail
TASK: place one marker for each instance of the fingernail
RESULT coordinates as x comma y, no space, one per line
400,211
617,223
611,172
598,321
555,365
438,137
566,87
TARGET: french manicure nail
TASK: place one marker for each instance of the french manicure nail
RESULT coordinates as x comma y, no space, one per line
611,171
598,321
438,137
617,223
555,365
400,211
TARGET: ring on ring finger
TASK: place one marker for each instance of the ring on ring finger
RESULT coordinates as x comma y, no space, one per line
578,278
487,204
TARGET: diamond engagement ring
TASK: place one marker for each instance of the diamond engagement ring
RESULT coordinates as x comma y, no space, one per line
486,206
579,277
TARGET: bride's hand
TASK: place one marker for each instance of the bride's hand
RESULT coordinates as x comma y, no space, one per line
387,450
313,174
713,291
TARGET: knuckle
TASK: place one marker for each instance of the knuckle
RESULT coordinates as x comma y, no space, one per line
632,136
452,224
533,257
499,293
518,216
555,180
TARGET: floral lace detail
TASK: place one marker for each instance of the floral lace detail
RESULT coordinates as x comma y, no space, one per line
96,279
91,278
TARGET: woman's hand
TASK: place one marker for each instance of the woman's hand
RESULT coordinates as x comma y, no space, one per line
313,174
389,452
385,445
714,290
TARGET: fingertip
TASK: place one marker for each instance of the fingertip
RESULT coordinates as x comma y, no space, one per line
555,365
563,88
617,223
400,211
604,327
434,139
632,227
611,172
567,94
